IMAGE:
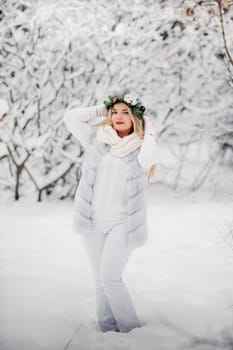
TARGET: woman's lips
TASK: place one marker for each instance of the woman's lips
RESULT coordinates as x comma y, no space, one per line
119,122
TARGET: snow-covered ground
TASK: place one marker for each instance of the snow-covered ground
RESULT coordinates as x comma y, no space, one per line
181,281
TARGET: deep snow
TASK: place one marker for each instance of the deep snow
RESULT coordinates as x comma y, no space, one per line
181,281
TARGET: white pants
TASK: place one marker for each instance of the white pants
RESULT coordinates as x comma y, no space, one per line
107,248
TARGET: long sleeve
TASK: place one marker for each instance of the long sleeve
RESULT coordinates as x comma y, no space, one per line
149,153
78,120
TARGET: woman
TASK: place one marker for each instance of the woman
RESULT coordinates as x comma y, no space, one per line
110,201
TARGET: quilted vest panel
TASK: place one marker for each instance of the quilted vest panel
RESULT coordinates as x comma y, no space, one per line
135,191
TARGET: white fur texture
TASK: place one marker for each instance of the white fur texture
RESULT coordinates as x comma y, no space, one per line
135,190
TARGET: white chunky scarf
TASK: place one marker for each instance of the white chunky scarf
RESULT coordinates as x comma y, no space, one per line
120,146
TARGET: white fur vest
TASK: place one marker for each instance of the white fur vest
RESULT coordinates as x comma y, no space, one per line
135,191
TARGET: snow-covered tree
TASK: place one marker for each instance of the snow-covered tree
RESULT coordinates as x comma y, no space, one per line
56,53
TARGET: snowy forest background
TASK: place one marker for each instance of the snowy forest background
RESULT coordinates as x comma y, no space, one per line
171,53
177,56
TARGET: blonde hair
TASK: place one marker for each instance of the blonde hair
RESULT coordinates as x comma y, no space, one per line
138,127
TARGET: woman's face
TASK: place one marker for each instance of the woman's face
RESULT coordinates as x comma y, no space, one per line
121,119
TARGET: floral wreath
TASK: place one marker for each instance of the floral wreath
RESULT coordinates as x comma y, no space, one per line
131,101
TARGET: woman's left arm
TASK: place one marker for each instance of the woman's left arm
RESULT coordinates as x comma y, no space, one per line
149,153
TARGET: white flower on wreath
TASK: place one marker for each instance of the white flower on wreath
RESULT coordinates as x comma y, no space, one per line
131,99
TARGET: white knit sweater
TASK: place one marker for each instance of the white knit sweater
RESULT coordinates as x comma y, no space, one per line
77,121
110,185
107,189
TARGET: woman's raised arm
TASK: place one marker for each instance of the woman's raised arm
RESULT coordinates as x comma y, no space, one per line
77,121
